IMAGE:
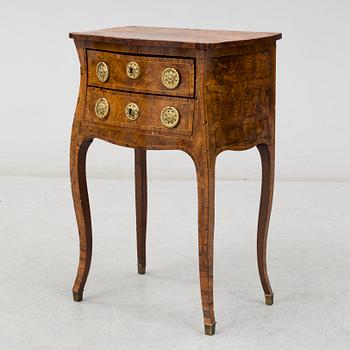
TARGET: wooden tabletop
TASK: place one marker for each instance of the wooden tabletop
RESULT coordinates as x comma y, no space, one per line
175,37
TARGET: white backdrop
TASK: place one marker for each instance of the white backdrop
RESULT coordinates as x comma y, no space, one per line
40,77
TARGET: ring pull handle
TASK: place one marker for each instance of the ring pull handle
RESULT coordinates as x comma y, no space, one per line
170,78
170,117
102,108
102,71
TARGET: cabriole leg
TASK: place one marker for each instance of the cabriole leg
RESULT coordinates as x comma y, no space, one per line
267,154
205,167
82,211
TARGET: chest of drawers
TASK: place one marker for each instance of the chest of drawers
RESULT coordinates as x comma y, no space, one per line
199,91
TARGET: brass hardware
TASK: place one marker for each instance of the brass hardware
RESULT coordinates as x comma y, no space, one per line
141,269
77,296
170,117
269,299
102,71
133,70
132,111
209,329
101,108
170,78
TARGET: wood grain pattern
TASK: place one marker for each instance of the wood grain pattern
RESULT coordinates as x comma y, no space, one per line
149,116
150,79
82,210
205,168
78,149
175,37
238,89
233,108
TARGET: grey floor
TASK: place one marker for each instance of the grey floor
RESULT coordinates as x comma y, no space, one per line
309,263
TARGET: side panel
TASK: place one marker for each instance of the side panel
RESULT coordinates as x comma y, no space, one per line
240,98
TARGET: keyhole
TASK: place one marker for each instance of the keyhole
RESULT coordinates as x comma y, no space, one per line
130,70
130,112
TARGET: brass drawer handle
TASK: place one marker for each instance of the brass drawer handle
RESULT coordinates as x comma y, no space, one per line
133,70
170,117
102,71
102,108
170,78
132,111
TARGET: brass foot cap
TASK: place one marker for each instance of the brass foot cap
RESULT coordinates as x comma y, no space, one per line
269,299
141,269
77,296
209,328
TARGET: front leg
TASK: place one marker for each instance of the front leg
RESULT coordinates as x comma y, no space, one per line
205,167
78,152
267,154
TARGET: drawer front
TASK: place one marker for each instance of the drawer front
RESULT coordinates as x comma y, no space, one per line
155,114
154,75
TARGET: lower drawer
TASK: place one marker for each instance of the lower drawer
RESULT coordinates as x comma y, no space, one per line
139,113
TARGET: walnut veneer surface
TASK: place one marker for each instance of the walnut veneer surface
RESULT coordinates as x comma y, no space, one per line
199,91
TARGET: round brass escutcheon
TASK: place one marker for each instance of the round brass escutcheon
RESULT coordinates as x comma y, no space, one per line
170,117
132,111
170,78
133,70
102,108
102,71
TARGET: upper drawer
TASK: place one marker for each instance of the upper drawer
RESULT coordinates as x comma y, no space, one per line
154,75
